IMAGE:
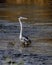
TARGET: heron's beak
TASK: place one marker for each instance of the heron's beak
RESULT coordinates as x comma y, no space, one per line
25,18
22,18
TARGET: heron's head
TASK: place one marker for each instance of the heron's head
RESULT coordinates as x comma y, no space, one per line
22,18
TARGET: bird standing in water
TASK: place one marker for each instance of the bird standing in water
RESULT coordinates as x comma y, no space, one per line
25,40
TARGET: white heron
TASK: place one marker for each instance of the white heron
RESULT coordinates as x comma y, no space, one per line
25,40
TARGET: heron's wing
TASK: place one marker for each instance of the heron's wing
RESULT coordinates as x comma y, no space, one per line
27,39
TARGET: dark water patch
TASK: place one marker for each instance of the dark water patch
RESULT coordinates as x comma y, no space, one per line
29,59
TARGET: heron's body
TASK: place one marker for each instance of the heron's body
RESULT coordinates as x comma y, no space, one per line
25,40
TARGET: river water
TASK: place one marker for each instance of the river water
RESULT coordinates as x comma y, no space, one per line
37,27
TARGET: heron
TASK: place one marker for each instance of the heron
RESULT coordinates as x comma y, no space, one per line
24,39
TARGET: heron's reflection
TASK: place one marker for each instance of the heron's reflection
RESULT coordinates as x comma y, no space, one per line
11,62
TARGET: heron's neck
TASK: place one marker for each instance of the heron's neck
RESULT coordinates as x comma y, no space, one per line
20,28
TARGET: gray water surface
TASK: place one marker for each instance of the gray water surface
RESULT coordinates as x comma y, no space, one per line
38,53
40,35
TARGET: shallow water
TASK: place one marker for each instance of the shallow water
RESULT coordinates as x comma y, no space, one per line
40,35
38,53
38,29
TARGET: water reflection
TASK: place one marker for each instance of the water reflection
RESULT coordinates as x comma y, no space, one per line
38,30
38,27
41,35
33,12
